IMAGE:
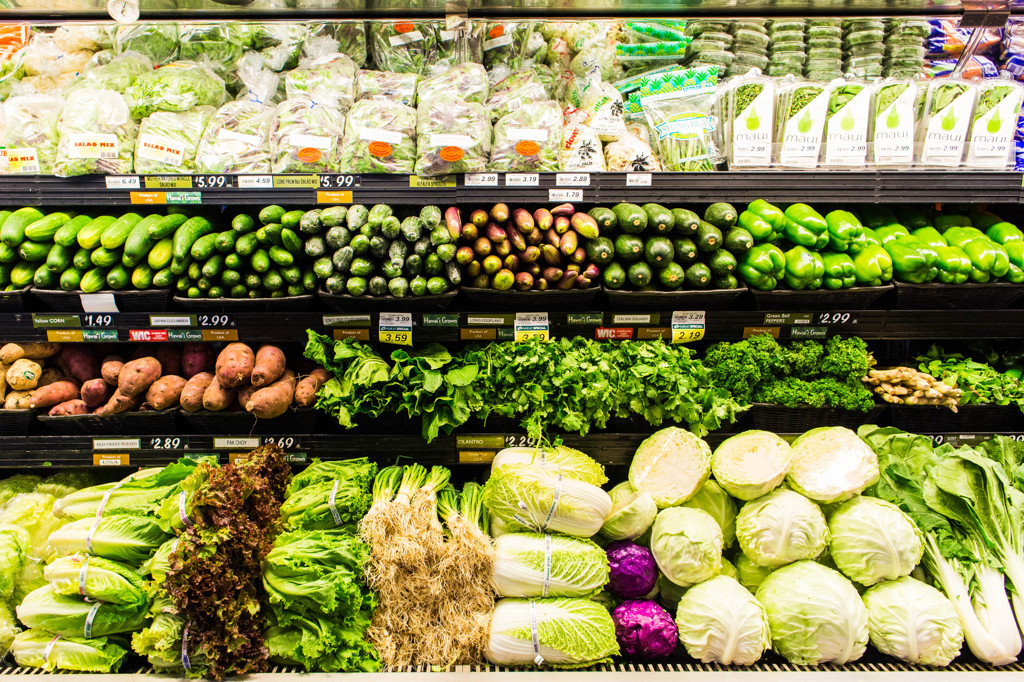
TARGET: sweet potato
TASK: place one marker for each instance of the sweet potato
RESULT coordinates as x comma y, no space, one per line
68,408
118,403
244,393
79,362
169,355
137,375
95,392
196,358
305,390
33,351
111,368
275,399
165,392
50,375
234,365
24,374
17,400
269,366
192,394
54,394
216,397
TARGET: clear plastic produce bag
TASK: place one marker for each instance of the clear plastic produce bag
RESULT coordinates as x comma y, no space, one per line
603,110
325,76
380,137
176,87
31,137
684,126
280,45
990,141
387,86
945,123
219,45
519,88
630,154
404,46
97,135
159,42
581,150
168,141
528,139
504,45
453,136
305,137
118,74
748,116
895,115
800,122
468,81
456,47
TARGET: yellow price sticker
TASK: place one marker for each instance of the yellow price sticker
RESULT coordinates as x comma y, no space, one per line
395,328
398,338
687,326
532,335
531,327
687,335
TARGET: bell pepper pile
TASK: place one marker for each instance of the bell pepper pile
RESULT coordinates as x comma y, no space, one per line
800,248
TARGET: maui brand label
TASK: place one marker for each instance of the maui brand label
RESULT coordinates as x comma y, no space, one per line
894,127
992,132
846,135
801,134
947,130
752,129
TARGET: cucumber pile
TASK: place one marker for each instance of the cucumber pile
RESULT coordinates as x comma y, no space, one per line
651,248
247,260
360,251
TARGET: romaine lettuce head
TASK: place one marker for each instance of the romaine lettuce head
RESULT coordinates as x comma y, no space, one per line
180,86
129,539
831,464
632,513
749,574
715,501
161,642
816,615
42,649
97,579
572,633
76,617
138,494
671,465
15,544
535,565
158,42
913,622
33,513
16,485
721,622
560,459
687,544
159,565
751,464
780,528
873,540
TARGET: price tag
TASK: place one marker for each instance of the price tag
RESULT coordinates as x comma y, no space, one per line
572,179
214,321
255,181
97,320
687,326
521,440
98,303
837,318
396,328
283,442
565,195
122,181
481,180
522,179
211,181
167,443
638,179
116,443
340,181
531,326
243,443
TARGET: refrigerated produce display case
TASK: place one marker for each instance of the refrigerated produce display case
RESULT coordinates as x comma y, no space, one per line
623,339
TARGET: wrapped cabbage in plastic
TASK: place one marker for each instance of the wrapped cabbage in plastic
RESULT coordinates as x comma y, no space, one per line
630,154
329,79
42,57
31,138
453,136
218,45
380,137
528,139
536,565
97,135
176,87
118,74
159,42
569,633
74,37
645,630
42,649
16,485
387,86
581,150
521,87
468,81
404,46
168,141
305,136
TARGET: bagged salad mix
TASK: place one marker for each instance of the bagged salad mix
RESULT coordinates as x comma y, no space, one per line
31,135
176,87
325,76
387,86
305,136
452,136
947,118
168,141
218,46
990,141
118,74
630,154
846,124
513,92
895,115
159,42
458,46
380,137
404,46
528,139
97,135
349,36
468,81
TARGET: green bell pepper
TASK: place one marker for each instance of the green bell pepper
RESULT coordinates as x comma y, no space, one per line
954,265
871,238
873,266
912,260
946,221
930,236
845,233
958,236
804,268
988,259
840,272
1003,233
805,227
887,233
913,217
763,221
876,216
762,266
983,219
1015,252
1014,274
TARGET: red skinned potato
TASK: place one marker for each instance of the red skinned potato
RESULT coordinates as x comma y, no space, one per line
137,375
54,394
273,400
68,408
95,392
78,361
196,358
216,397
269,366
235,364
165,392
305,390
169,355
111,368
192,394
118,403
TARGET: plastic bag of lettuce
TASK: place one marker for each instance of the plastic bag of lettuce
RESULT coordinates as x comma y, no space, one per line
159,42
324,75
305,135
97,135
31,137
380,137
168,140
118,74
404,47
350,37
453,136
528,139
218,45
180,86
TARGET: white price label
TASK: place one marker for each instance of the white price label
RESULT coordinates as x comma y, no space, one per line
565,195
522,179
246,443
572,179
116,443
638,179
531,326
122,181
481,179
98,303
255,181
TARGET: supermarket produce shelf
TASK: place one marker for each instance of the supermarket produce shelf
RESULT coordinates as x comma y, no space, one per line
452,327
919,186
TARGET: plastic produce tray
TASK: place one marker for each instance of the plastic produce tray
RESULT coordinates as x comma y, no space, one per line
551,299
968,296
967,418
855,298
768,417
345,302
148,300
245,305
148,423
13,301
691,299
240,422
